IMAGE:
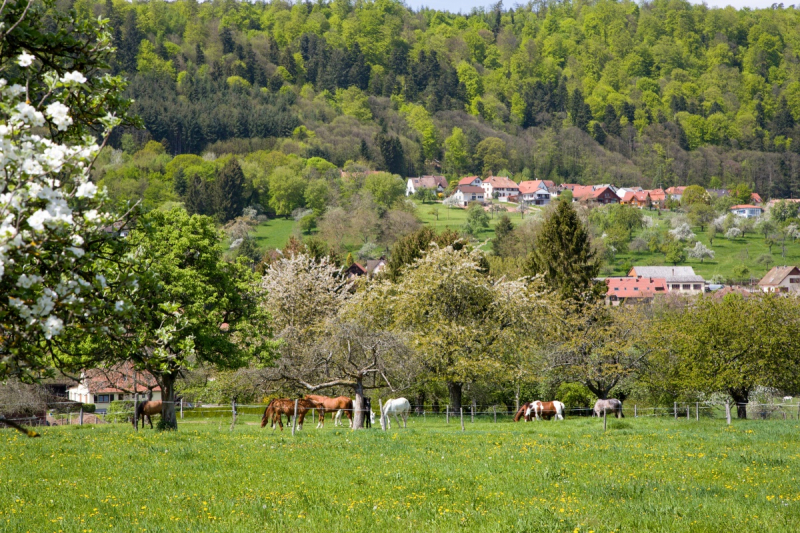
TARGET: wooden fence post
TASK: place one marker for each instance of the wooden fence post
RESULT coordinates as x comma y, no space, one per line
380,411
447,414
675,409
604,418
634,411
294,418
181,408
697,411
136,408
494,411
472,413
233,413
423,414
687,412
728,411
80,417
462,418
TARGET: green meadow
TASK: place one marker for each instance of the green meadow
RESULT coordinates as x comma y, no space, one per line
641,474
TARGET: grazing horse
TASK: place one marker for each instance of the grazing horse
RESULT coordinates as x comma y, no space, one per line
546,410
523,412
612,405
146,409
332,405
394,407
285,406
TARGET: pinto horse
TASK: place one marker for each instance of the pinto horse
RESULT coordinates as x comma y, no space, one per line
332,405
546,410
612,405
146,409
285,406
523,412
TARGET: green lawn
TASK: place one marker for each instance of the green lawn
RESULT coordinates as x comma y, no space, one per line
274,233
641,475
728,254
454,218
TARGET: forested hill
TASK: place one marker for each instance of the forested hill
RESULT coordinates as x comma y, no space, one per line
655,94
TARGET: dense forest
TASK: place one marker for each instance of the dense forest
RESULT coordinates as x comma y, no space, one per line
656,94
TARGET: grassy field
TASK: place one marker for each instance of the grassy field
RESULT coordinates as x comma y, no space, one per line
274,233
641,475
728,253
454,218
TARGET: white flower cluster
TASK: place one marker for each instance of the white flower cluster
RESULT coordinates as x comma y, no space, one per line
48,209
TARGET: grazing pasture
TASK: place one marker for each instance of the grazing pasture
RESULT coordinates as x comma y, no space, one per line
640,475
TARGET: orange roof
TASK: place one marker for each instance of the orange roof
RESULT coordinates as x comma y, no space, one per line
530,186
657,195
631,287
745,206
119,378
468,180
627,197
641,196
582,191
501,182
756,198
676,190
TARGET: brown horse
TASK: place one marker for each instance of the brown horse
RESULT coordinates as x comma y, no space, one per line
332,405
523,412
146,409
285,406
546,410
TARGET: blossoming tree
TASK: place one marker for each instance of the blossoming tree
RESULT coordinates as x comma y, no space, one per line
62,274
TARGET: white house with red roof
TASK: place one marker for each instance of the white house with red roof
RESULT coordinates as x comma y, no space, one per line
534,192
634,289
747,210
101,386
475,181
499,187
434,183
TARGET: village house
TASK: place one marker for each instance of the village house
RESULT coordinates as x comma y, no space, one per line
658,198
475,181
372,267
623,190
794,201
634,289
534,192
464,194
675,193
640,199
781,279
101,386
601,194
435,183
499,187
679,279
747,211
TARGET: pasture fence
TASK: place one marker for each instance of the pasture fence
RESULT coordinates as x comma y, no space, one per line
72,414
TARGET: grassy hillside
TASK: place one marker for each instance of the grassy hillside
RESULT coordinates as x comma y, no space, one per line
274,233
641,475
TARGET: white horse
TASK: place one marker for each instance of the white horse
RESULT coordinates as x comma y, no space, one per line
398,406
337,419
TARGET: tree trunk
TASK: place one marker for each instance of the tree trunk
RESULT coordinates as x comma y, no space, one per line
455,395
436,405
741,396
598,390
358,405
168,401
516,398
420,402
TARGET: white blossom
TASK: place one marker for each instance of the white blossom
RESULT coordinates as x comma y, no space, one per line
59,114
86,190
77,252
32,167
52,326
73,77
119,306
37,220
29,115
25,59
26,281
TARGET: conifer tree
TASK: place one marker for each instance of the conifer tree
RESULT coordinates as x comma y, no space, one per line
563,254
229,187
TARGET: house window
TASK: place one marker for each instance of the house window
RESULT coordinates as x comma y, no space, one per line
676,286
102,398
697,287
794,280
616,288
636,288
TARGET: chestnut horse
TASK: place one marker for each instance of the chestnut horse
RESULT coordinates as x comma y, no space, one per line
332,405
146,409
524,411
546,410
285,406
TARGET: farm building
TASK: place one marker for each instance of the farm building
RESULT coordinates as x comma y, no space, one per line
747,211
679,279
101,386
434,183
500,187
781,279
634,289
534,192
464,194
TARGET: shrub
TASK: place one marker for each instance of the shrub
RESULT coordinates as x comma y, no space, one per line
120,411
88,407
575,395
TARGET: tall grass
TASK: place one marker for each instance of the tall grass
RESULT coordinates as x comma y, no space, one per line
640,475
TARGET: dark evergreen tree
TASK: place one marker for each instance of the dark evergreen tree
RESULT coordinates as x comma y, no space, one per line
682,140
612,121
784,121
128,48
200,57
563,254
226,38
228,191
502,234
392,151
197,201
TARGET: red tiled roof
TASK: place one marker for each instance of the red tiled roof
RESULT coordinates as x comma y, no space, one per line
745,206
501,182
470,189
627,197
631,287
641,196
468,180
676,190
657,195
756,198
529,186
119,378
582,191
429,182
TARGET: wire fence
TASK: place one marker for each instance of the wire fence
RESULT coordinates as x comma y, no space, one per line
70,413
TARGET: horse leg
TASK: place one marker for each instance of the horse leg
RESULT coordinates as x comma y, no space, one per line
321,419
405,419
